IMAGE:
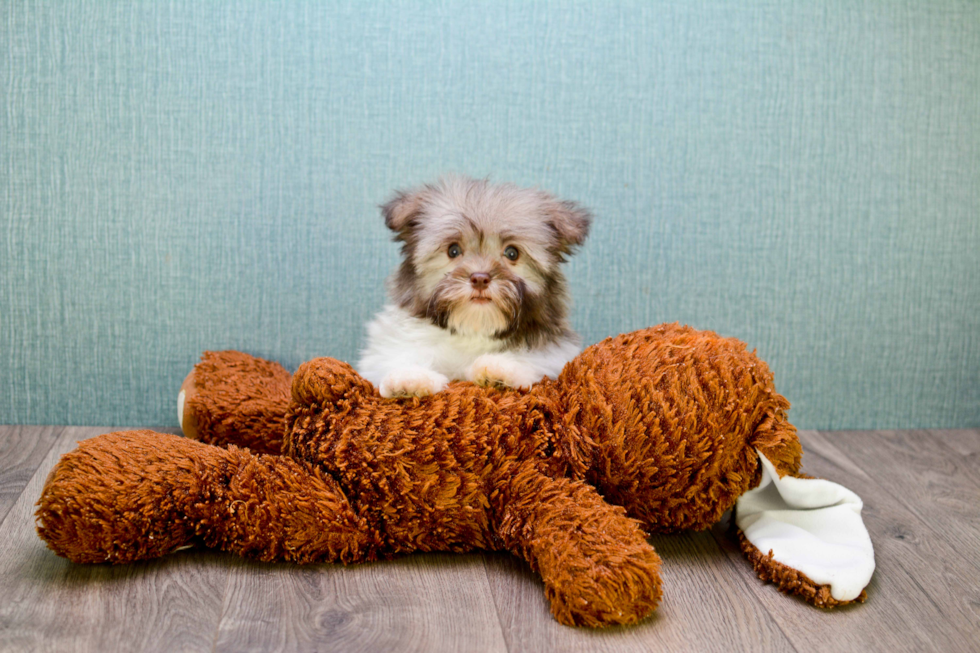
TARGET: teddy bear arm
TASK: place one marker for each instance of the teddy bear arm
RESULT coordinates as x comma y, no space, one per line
279,509
596,564
131,496
233,398
323,381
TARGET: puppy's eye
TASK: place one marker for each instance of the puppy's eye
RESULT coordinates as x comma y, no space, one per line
512,253
454,250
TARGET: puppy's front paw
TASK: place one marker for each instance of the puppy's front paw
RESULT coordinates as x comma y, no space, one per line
412,382
497,370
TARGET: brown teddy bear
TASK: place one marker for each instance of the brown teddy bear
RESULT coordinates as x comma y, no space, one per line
658,430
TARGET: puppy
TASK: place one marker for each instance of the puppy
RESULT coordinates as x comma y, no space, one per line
480,295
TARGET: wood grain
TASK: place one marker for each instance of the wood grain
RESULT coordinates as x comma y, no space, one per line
966,444
22,448
417,603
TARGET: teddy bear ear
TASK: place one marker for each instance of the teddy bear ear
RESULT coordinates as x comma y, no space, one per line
403,209
570,222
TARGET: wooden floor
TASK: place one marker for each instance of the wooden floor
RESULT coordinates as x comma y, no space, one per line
922,506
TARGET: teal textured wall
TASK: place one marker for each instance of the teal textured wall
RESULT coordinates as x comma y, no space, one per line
192,175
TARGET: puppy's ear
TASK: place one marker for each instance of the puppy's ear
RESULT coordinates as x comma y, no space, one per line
570,222
402,209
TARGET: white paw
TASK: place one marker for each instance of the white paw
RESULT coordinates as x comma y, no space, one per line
494,369
412,382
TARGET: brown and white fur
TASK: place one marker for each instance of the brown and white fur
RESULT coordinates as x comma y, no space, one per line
480,295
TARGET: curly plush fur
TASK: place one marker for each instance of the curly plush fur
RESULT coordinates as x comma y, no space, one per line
656,430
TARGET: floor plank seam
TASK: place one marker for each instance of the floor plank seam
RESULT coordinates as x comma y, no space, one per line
496,607
920,587
221,616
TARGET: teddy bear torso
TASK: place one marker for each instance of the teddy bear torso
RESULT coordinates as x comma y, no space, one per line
663,422
433,478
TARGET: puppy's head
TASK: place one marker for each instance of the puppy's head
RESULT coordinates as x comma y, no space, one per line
484,259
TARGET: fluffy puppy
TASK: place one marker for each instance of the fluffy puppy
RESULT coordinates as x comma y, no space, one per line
480,294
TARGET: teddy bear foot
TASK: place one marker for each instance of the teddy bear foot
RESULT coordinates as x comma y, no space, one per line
806,535
609,595
597,566
789,580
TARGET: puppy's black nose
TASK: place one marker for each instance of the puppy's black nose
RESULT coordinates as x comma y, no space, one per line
480,280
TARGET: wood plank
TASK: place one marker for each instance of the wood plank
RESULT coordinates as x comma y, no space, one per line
923,596
22,448
416,603
927,478
51,604
966,444
704,608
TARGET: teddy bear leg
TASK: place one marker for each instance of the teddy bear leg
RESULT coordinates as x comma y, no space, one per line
597,566
806,535
138,495
233,398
